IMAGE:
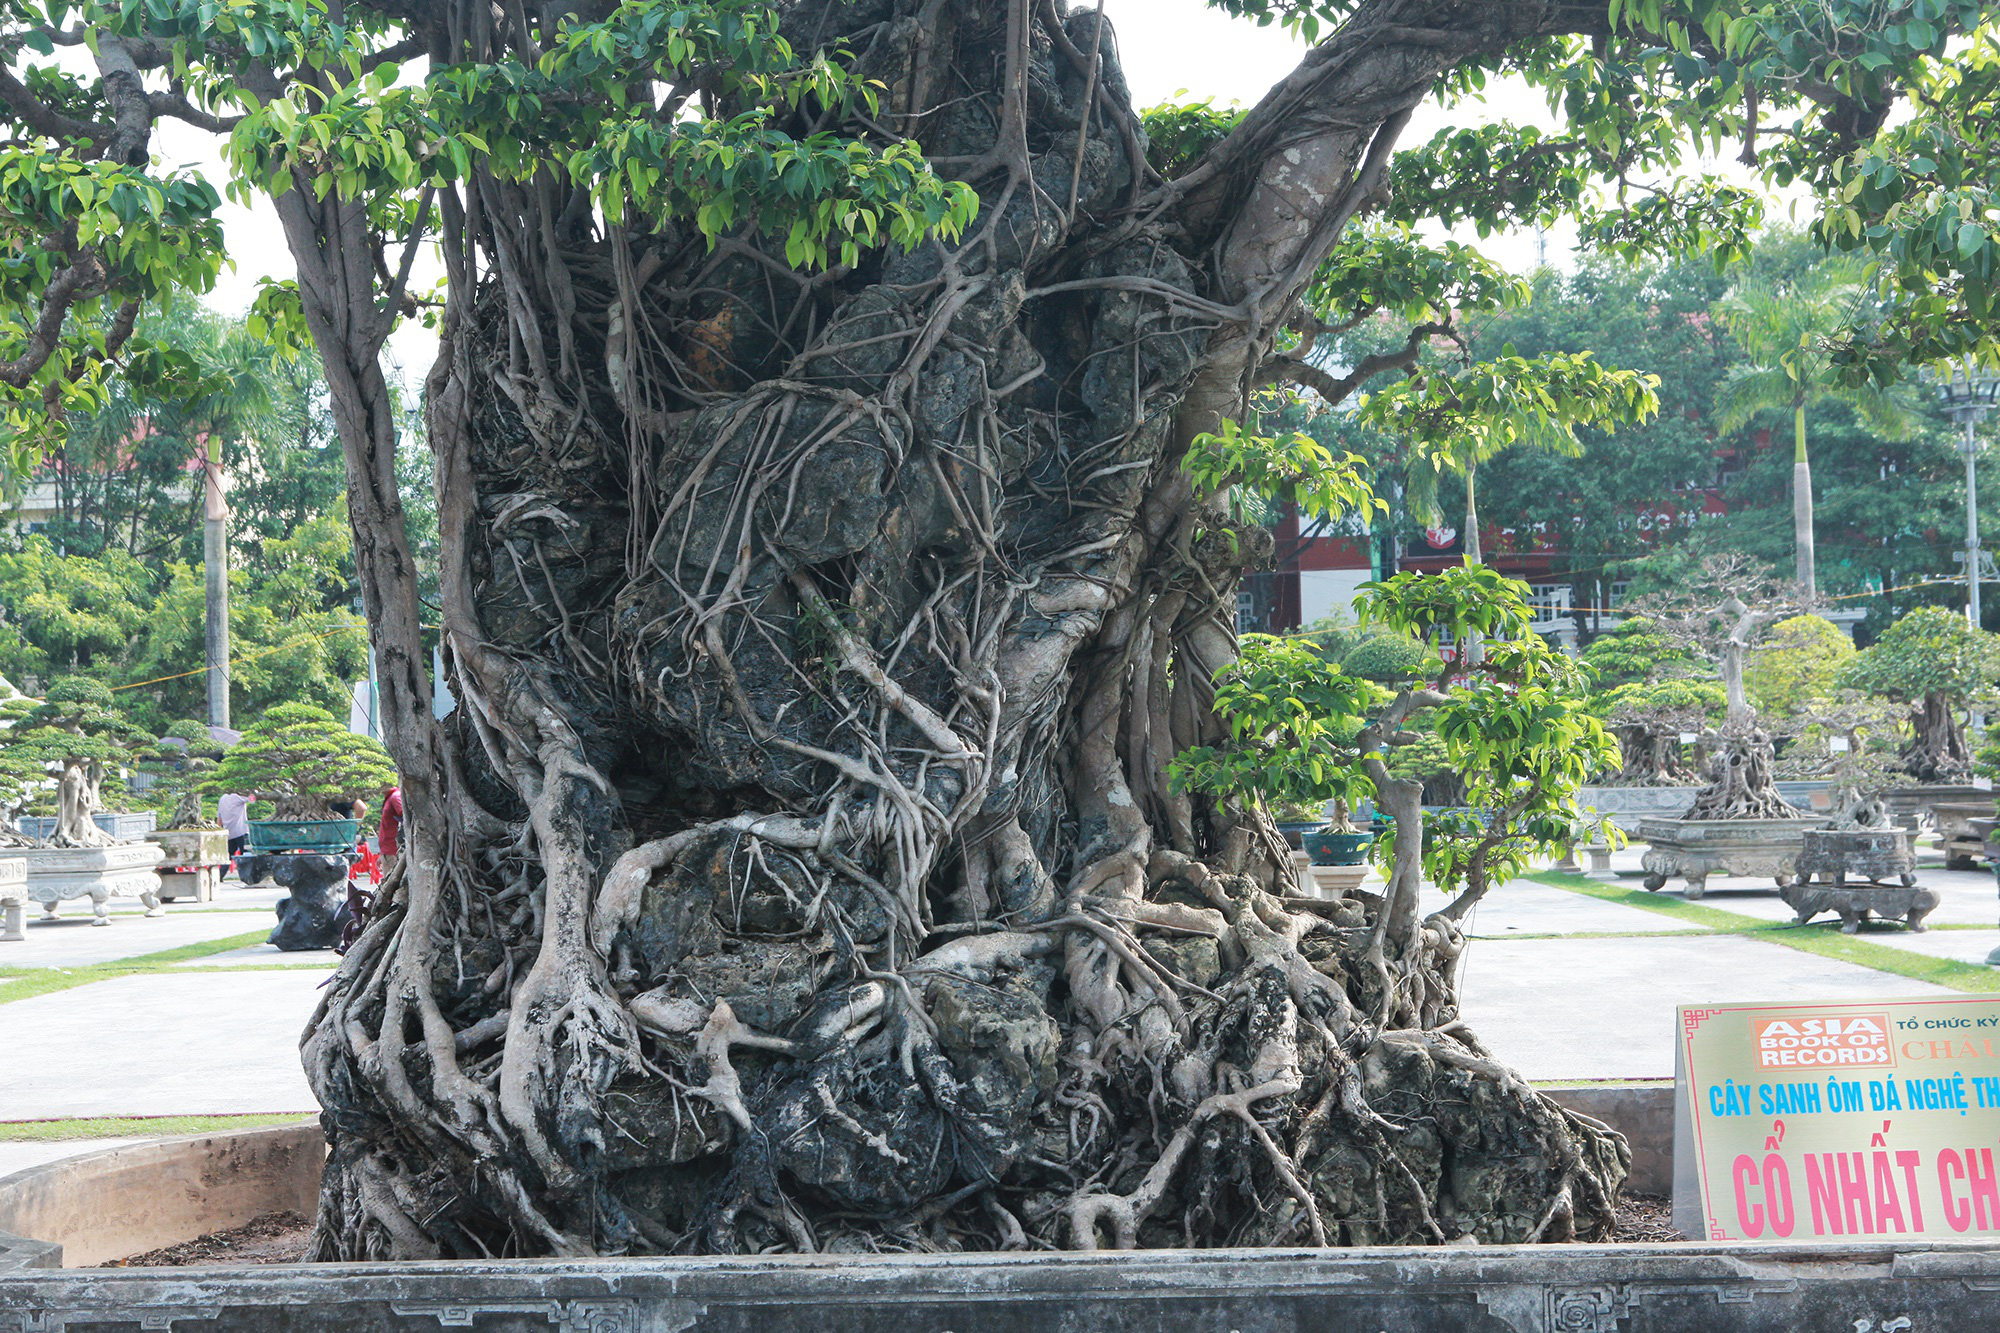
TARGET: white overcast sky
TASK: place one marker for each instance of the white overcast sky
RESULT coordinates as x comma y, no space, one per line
1168,46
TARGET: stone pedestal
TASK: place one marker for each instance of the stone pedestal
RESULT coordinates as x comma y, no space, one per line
121,870
1859,873
1858,902
1694,849
1338,881
316,913
13,897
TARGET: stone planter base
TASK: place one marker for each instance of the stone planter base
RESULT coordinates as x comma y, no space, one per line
1694,849
1932,1287
1858,902
13,897
1628,807
316,913
122,870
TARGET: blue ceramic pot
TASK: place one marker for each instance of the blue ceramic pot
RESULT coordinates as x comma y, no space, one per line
1327,848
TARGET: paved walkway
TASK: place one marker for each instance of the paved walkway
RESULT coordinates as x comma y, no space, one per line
192,1013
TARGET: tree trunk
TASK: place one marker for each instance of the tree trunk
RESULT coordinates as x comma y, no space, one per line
800,868
215,578
1937,751
1802,505
1472,549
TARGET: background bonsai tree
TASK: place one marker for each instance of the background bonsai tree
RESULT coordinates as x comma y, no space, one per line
77,733
301,757
23,776
1935,662
1648,694
1720,615
182,760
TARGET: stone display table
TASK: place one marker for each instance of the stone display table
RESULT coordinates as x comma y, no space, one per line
1858,902
1694,849
121,870
1915,807
1958,828
13,897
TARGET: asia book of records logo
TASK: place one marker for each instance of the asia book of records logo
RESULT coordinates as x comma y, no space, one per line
1838,1040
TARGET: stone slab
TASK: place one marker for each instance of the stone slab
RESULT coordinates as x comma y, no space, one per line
71,941
1551,1289
204,1043
1525,907
1604,1008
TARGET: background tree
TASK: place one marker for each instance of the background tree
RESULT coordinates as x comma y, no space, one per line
1458,420
827,596
79,737
1937,663
1797,665
68,614
300,758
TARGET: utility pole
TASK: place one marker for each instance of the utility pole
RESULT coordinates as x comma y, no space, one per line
1967,394
215,569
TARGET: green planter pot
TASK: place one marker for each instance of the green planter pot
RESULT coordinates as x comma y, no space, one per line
1327,848
304,835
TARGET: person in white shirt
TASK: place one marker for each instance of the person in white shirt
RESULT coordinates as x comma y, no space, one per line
233,812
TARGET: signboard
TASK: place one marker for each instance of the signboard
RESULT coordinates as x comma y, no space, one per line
1802,1122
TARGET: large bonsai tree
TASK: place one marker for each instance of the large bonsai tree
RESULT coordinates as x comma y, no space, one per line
824,590
300,757
77,734
1934,661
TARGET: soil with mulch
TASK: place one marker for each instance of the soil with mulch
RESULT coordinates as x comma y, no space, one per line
275,1238
1645,1219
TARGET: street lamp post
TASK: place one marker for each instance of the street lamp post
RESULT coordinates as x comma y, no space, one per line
1967,394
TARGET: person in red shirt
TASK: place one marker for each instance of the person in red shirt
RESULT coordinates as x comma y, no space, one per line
389,834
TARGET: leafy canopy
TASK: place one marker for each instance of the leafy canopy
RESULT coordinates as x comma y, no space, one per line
654,111
1929,652
298,754
1797,665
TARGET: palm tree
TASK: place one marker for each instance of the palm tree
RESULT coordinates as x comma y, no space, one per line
1787,328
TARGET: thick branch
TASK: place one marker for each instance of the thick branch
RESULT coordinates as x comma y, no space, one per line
1335,389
